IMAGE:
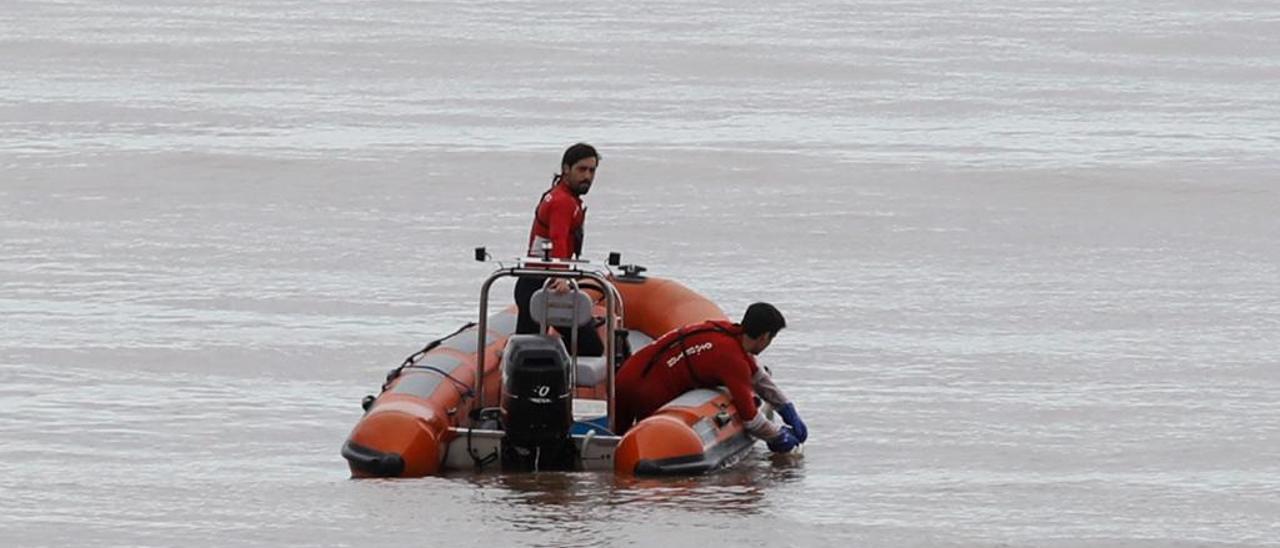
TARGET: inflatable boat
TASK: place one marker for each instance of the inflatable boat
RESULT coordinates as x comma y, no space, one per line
486,398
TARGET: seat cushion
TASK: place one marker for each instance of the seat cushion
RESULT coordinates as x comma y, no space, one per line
560,309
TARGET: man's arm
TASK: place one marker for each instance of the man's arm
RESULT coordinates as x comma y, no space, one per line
738,379
768,390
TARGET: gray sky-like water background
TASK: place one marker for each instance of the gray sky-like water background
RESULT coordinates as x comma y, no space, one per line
1028,251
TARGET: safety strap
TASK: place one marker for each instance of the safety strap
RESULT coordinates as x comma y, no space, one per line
579,235
684,356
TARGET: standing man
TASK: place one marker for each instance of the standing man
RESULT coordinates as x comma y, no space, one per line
706,355
557,233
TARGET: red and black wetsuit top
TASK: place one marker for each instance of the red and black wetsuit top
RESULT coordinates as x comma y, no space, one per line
703,355
559,220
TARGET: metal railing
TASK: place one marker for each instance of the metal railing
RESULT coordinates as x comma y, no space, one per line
550,269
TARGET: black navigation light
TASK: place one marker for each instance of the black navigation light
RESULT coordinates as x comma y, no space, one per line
615,258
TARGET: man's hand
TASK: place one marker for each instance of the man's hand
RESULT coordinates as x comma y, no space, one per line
792,418
784,442
559,286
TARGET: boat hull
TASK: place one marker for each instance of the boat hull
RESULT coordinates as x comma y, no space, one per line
698,432
426,419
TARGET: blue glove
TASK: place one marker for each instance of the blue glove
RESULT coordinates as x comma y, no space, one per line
784,442
789,416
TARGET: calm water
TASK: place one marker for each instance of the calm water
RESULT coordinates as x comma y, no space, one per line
1027,250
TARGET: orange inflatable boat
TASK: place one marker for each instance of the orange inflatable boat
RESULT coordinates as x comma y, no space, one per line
487,398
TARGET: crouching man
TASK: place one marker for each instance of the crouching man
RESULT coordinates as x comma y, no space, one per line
707,355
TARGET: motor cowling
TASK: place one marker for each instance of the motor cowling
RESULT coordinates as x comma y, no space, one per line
537,404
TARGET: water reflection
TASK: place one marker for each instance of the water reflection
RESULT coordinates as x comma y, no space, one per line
562,497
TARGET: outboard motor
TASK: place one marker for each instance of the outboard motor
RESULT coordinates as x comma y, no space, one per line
537,404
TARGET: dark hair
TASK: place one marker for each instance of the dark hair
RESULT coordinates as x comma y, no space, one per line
577,153
761,318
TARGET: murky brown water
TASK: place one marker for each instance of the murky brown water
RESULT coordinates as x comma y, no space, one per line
1027,251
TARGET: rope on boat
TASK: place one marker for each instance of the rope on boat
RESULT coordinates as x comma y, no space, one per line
412,362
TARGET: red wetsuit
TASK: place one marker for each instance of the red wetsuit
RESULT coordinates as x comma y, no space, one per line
703,355
559,220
